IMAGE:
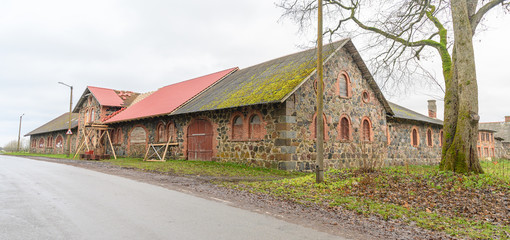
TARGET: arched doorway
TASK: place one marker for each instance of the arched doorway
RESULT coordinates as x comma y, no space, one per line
200,136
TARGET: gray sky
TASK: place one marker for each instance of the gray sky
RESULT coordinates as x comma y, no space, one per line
144,45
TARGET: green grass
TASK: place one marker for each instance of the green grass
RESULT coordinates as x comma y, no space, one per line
229,171
342,189
62,156
499,168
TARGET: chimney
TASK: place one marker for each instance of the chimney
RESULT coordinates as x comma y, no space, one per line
432,108
507,118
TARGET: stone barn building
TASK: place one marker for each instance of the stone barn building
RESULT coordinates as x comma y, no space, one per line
51,138
265,115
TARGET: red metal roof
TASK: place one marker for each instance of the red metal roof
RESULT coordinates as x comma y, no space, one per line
167,99
106,97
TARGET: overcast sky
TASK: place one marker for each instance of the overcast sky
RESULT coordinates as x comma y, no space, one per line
144,45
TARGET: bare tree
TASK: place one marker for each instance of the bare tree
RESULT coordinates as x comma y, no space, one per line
403,32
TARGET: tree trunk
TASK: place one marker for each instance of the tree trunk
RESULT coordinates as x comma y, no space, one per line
461,156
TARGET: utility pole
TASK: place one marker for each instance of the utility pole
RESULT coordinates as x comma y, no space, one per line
70,112
319,171
19,131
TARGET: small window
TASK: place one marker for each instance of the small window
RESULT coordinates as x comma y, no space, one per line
315,126
366,130
344,89
345,128
41,143
429,138
365,96
117,136
441,138
255,127
315,85
160,133
237,128
483,137
59,143
479,153
49,142
92,116
415,137
171,131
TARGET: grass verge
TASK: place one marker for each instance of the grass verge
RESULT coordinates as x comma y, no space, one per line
473,206
222,170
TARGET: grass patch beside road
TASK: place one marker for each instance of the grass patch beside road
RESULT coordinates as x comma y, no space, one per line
225,171
475,206
61,156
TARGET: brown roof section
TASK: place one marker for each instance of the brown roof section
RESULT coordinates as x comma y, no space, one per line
502,129
58,124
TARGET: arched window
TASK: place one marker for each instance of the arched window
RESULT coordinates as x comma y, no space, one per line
429,138
171,132
366,130
255,130
315,126
160,133
344,87
59,142
237,127
415,137
345,129
117,136
41,142
92,112
49,142
440,138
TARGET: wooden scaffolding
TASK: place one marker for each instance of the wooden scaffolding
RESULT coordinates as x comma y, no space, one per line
155,150
95,147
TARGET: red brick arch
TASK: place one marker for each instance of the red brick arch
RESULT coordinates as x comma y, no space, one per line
347,128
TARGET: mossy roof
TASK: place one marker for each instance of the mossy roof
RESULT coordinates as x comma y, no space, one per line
273,81
408,114
58,124
263,83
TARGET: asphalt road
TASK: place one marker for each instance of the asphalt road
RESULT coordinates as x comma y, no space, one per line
43,200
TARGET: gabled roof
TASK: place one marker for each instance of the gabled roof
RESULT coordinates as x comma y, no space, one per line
167,99
58,124
502,129
272,81
408,114
107,97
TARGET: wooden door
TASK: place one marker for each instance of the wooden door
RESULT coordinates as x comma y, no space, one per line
200,134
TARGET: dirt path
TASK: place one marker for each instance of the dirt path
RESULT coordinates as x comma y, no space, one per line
340,222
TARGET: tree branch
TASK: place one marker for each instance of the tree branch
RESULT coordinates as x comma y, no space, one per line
477,17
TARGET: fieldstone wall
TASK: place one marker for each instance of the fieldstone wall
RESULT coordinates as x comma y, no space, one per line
257,150
401,151
57,146
296,128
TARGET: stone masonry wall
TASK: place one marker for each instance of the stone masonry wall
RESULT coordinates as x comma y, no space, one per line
255,151
298,125
401,151
56,147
